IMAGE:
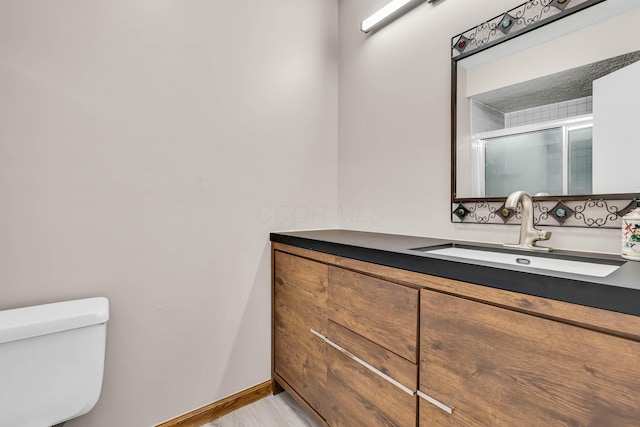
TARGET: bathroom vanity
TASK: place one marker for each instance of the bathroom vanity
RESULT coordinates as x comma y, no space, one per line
369,330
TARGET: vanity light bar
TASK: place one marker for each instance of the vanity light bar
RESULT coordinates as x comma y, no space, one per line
392,10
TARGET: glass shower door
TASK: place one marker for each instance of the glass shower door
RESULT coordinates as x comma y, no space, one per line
531,161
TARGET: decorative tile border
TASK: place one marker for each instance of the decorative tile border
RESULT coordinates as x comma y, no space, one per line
591,213
520,19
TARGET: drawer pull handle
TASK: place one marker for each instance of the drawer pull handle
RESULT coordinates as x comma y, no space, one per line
365,364
318,334
435,402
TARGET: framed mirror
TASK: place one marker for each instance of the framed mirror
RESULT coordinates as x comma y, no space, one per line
544,100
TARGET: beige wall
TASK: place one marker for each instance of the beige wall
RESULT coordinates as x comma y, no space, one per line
147,148
394,124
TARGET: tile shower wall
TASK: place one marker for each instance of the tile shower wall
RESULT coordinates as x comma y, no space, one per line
485,118
545,113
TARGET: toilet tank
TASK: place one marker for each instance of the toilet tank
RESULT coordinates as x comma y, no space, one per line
51,361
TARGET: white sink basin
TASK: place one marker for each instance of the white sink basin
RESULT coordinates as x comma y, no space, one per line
597,268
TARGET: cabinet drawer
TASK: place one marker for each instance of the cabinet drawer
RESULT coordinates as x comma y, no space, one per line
360,396
396,367
383,312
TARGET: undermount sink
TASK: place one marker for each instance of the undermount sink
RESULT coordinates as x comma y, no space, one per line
560,263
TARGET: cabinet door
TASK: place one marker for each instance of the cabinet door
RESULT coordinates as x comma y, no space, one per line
300,299
498,367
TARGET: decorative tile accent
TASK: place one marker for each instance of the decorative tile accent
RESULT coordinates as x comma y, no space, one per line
507,23
506,213
461,44
482,212
596,213
522,18
590,213
561,212
560,4
461,212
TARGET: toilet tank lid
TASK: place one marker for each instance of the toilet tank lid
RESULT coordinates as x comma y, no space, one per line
28,322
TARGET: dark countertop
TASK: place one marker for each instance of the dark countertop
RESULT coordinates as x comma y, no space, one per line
619,291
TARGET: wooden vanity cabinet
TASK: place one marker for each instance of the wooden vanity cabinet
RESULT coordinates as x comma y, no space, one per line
495,366
300,305
355,342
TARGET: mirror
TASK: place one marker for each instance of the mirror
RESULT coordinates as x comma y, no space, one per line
543,100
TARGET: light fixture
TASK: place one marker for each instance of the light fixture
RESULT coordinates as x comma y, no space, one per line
389,12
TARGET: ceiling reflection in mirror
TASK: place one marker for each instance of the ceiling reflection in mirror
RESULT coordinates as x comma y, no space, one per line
551,111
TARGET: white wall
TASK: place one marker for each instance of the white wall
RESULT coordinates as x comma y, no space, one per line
615,109
394,124
146,150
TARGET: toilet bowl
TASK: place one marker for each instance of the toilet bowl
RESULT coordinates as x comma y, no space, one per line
51,361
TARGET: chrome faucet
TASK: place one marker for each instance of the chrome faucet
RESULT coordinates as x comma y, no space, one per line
529,234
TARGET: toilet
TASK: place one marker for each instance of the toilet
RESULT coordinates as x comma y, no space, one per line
51,361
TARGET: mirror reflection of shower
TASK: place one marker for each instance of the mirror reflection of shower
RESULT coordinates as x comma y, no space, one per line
550,140
554,157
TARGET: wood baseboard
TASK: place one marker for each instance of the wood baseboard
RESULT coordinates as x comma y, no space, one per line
215,410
